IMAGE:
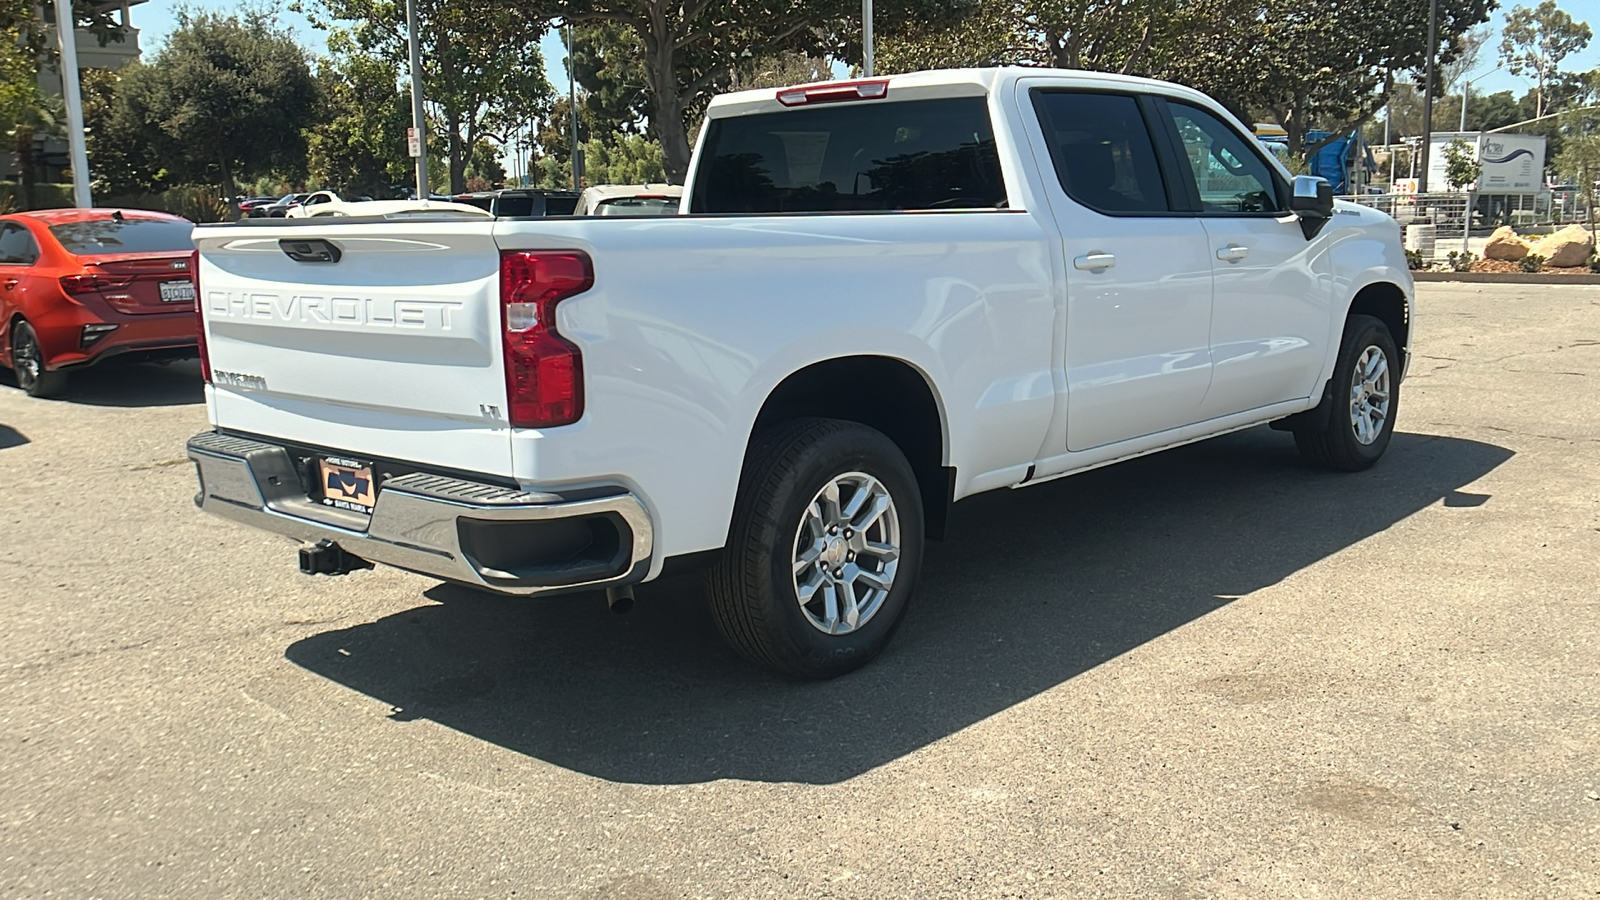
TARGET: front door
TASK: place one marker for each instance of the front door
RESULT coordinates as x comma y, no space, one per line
1138,275
1270,315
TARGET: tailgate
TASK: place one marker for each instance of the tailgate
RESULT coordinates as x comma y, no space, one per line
392,350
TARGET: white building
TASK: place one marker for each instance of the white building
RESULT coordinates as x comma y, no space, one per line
50,153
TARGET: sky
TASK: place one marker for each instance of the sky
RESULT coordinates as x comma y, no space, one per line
157,18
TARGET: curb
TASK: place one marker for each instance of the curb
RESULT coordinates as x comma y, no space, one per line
1505,277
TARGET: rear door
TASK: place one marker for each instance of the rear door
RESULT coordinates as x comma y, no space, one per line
1269,322
1139,273
377,340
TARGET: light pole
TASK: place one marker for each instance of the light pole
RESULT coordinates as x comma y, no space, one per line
73,96
1427,94
1466,91
866,38
417,122
572,106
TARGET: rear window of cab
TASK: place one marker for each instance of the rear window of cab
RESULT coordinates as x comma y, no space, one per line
853,157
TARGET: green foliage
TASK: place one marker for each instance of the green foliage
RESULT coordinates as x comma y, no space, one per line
1535,41
1109,35
227,95
609,62
1306,62
623,159
1531,263
359,146
1461,166
1580,159
1460,261
481,66
1414,260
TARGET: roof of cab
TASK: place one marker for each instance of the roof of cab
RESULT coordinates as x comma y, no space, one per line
940,82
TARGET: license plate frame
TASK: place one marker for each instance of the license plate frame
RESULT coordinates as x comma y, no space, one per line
346,484
176,291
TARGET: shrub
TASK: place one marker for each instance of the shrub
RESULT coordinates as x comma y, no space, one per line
1594,263
1531,263
1461,261
1414,260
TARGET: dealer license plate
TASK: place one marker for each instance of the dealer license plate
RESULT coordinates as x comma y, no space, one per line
177,292
346,484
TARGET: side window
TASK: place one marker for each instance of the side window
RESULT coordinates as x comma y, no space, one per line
1102,151
1229,173
17,247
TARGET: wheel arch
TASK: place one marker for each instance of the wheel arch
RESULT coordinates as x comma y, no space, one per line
1387,302
901,403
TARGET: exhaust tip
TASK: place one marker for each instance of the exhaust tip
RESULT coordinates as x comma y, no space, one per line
620,599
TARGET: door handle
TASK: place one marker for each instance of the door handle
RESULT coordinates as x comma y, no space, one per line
11,283
1233,253
1094,262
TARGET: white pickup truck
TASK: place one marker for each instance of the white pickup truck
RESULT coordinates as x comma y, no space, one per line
881,297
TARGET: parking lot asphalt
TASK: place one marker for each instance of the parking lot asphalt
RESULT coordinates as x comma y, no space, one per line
1213,672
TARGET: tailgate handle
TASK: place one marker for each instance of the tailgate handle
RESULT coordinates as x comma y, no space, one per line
312,250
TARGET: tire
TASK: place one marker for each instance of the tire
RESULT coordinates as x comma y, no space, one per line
1359,426
27,361
782,516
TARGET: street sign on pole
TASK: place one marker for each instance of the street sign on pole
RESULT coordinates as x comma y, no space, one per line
417,136
73,97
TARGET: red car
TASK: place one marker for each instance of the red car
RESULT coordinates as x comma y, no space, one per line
80,286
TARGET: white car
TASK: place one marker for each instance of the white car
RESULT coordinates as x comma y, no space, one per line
883,297
397,208
630,200
309,205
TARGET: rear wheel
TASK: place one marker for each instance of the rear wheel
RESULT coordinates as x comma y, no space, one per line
1366,395
27,360
823,551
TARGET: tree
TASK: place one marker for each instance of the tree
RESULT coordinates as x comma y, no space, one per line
1461,166
25,50
1580,158
1537,40
623,159
359,144
481,66
691,47
1308,63
1109,35
226,96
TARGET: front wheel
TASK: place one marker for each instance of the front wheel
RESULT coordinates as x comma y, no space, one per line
1366,395
823,550
27,361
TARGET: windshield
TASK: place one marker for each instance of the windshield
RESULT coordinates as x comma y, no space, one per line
128,236
914,154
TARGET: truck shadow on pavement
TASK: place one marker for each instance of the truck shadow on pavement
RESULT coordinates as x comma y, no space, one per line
1030,589
131,384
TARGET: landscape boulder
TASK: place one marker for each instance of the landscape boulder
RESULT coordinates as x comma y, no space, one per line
1568,247
1505,244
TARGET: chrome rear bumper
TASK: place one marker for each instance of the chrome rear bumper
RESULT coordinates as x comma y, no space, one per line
482,535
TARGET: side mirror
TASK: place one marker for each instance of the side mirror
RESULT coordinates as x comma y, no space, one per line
1311,198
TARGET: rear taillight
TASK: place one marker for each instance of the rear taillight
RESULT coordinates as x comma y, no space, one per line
544,371
199,317
835,92
90,282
